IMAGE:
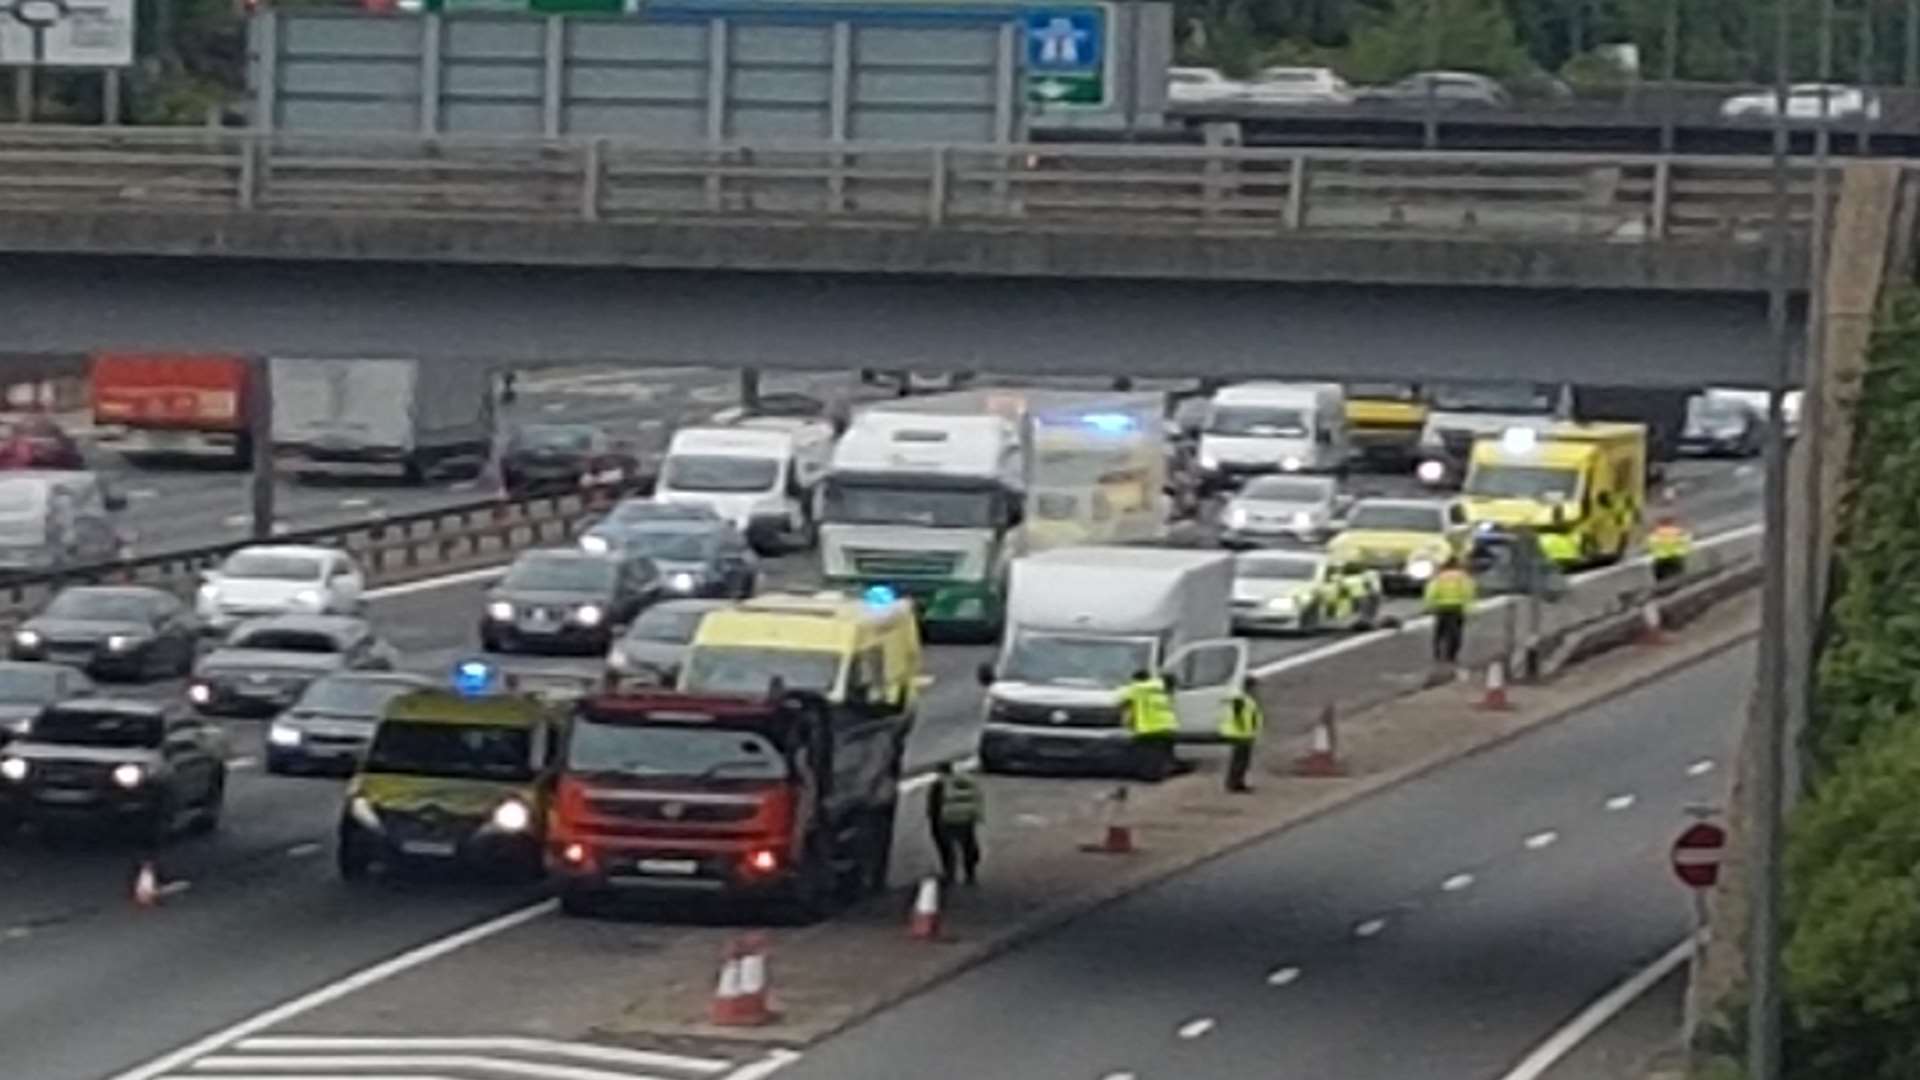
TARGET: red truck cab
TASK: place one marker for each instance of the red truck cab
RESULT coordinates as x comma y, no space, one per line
664,793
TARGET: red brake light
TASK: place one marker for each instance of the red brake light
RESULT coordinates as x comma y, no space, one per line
763,860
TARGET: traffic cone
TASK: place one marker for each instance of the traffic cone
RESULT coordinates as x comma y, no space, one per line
1496,696
1653,629
146,886
1118,837
740,1000
924,923
1324,759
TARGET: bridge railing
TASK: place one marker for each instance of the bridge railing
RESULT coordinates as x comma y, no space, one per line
1040,186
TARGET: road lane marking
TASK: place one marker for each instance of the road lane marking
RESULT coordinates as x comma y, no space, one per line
1619,803
15,933
1596,1015
1701,767
1457,882
1193,1029
308,1064
303,851
1542,839
334,991
1120,1076
355,503
1285,976
765,1067
243,762
494,1044
463,577
1370,928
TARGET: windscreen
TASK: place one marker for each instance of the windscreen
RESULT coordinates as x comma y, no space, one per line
26,686
351,697
1384,391
1082,661
265,566
638,510
1258,421
1715,411
864,504
673,750
713,472
1271,569
671,625
1493,397
88,604
560,574
81,727
565,438
1385,517
749,669
277,639
1536,482
669,545
1284,489
457,751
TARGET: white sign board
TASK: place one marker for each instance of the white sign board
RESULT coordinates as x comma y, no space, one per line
66,33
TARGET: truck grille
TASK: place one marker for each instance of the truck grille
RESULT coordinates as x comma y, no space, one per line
71,774
879,562
1076,716
669,810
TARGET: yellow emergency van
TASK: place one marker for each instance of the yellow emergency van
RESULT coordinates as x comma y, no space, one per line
859,650
1581,487
1384,420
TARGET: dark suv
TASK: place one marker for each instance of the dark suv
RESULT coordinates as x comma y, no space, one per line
146,765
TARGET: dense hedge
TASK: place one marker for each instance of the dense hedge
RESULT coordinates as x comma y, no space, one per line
1853,857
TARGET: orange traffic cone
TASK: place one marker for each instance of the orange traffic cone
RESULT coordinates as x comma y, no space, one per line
924,923
1653,629
1324,759
740,1000
1495,697
1118,837
146,886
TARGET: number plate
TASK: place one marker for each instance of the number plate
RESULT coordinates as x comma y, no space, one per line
437,848
676,867
64,796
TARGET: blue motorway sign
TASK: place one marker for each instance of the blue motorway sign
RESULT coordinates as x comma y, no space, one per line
1066,55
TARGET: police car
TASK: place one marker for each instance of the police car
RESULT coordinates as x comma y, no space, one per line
1304,592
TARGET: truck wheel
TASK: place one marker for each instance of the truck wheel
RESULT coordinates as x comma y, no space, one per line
582,903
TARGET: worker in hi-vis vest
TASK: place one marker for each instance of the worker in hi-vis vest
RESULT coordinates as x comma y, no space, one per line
955,804
1241,729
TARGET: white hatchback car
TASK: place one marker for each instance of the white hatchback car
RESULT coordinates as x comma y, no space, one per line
1299,86
280,579
1198,85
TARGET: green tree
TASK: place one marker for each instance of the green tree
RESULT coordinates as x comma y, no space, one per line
1471,35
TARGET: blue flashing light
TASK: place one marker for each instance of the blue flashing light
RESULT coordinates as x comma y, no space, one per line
1109,423
473,677
880,595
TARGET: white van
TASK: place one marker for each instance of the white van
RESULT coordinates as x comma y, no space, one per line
1274,427
759,474
53,519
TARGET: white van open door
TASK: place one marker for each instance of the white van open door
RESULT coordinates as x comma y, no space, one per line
1206,675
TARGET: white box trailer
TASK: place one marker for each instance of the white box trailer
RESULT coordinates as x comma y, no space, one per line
1081,621
357,416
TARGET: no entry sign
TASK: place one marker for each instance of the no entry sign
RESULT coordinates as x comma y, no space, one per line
1696,855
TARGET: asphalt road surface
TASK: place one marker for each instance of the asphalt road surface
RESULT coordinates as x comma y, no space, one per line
90,985
1438,930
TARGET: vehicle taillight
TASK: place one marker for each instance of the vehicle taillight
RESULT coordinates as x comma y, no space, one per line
761,861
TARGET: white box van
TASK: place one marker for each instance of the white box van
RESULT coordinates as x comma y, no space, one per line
1080,622
759,474
1274,427
53,519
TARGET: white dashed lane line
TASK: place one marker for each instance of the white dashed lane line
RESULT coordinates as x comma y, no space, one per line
1619,803
1701,767
302,851
243,763
1195,1028
1285,976
1369,928
1457,882
1541,840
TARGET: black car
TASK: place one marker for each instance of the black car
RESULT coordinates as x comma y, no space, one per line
565,600
328,727
1722,427
266,664
628,515
112,631
143,764
704,557
564,457
27,687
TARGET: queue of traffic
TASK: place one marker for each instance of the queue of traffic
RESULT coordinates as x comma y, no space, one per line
729,741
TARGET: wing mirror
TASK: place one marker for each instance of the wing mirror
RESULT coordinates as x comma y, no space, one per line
985,674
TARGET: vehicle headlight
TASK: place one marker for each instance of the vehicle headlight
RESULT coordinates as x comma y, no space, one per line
1419,568
682,581
283,735
14,769
1302,519
512,816
362,811
1208,461
209,592
1282,603
599,545
309,598
21,727
588,614
1237,517
199,693
129,775
26,639
1291,464
121,642
617,660
1432,472
500,611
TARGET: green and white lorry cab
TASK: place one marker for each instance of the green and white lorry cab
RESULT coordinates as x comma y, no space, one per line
930,505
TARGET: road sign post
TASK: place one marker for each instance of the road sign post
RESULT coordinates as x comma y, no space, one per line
1696,862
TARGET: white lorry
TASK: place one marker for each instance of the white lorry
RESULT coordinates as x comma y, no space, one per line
933,496
759,473
414,418
1081,622
1257,428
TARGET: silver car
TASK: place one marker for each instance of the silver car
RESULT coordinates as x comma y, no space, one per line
266,664
1273,509
329,726
653,648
